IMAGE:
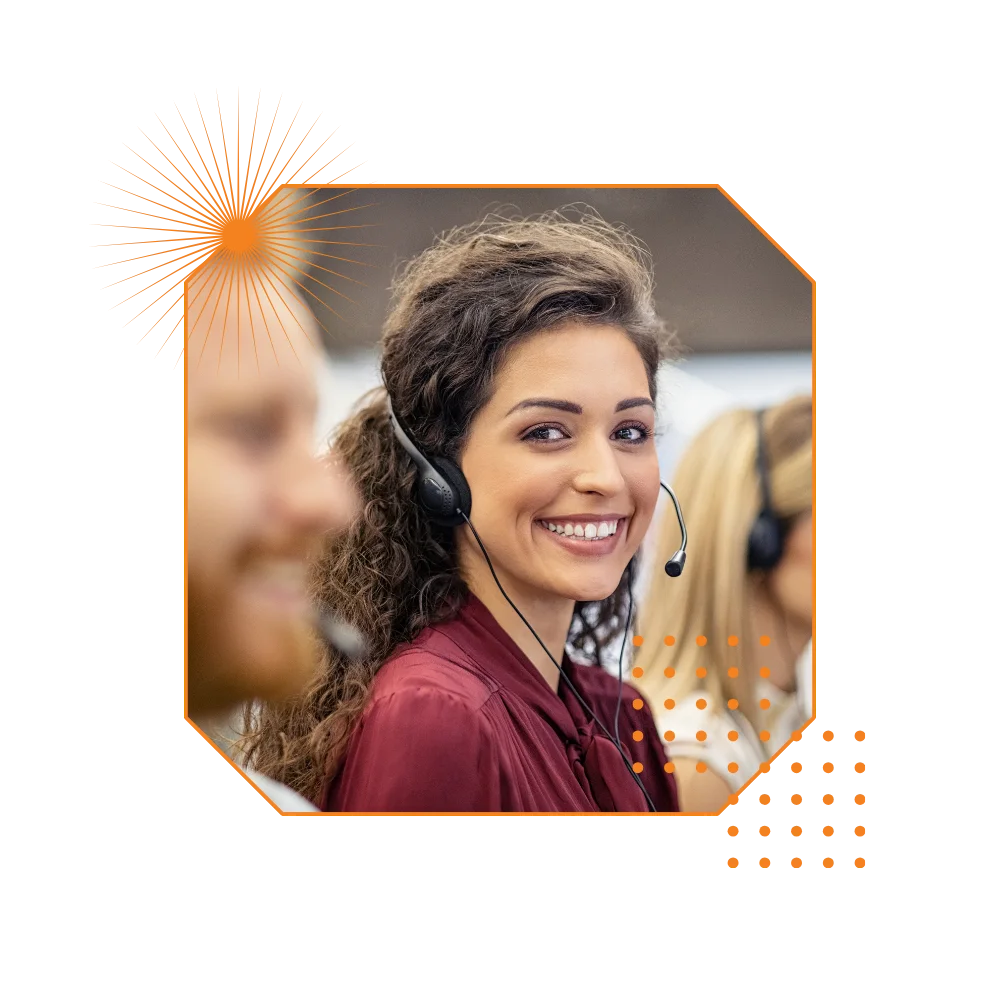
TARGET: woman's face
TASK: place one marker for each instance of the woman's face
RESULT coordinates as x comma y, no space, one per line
792,579
562,464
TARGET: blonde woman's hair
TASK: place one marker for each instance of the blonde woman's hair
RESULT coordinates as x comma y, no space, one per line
718,485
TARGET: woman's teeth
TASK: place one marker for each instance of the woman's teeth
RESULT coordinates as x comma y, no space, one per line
589,531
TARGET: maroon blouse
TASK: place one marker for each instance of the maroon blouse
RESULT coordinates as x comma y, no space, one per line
460,720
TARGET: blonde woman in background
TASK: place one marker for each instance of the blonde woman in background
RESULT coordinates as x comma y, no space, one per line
727,666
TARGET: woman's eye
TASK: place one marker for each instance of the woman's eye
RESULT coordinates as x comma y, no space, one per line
545,433
633,434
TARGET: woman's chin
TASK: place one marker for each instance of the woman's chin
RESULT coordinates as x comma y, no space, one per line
596,585
593,590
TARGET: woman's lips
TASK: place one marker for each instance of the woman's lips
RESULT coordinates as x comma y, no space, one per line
595,546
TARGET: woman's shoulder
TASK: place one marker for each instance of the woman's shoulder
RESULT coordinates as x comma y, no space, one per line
694,715
425,741
696,729
431,668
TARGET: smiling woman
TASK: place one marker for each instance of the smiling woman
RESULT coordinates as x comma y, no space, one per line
577,457
521,358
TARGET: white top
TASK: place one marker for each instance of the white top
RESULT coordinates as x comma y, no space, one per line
728,737
281,795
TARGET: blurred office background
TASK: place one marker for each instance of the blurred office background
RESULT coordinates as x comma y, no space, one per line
741,310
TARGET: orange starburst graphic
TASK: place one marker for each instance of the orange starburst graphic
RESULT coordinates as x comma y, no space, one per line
232,220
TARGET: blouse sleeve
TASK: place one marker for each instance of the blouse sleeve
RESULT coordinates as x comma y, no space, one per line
421,750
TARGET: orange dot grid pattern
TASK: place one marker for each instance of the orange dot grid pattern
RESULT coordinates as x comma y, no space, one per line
701,704
831,839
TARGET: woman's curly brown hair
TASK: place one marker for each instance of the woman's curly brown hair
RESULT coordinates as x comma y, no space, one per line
456,310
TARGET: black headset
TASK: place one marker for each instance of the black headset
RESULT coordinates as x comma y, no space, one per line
444,495
766,542
442,489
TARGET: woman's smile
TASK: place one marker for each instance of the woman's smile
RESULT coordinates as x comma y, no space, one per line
588,535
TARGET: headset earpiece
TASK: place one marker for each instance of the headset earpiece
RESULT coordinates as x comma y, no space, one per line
765,545
766,541
442,490
460,495
444,494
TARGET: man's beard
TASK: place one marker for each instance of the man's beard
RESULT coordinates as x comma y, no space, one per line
226,666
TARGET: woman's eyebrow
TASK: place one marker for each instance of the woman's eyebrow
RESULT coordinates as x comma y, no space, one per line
546,404
628,404
567,407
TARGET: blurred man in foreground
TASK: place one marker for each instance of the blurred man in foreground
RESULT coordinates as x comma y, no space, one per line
259,501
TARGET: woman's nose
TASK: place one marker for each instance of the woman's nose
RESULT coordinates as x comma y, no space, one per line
599,470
